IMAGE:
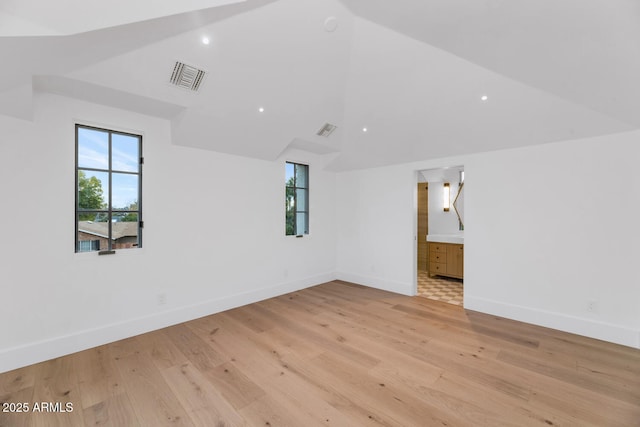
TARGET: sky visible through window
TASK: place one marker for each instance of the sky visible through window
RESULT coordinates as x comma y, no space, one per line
93,153
289,172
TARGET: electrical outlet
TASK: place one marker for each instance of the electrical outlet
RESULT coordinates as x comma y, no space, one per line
162,298
592,306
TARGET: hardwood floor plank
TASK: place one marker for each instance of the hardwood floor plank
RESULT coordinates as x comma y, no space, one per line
338,354
16,389
125,347
193,347
116,411
438,354
16,415
316,333
159,346
498,333
236,387
56,384
627,391
294,392
396,405
269,412
252,317
263,360
17,380
356,410
392,361
586,408
97,376
596,357
289,342
505,410
153,401
202,401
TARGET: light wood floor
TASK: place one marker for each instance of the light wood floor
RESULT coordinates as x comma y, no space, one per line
337,355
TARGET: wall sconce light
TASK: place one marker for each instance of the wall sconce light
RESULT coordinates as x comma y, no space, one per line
446,197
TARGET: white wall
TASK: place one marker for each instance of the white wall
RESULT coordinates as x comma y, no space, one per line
213,236
553,227
548,228
441,221
376,228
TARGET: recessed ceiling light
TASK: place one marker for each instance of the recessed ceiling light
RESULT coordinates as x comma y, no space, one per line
364,129
206,40
261,110
484,97
330,24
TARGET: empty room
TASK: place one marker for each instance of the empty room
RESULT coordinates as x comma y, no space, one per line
225,212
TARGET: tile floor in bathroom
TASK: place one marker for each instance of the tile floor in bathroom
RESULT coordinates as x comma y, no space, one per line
440,288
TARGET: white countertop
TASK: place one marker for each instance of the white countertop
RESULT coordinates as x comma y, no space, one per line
446,238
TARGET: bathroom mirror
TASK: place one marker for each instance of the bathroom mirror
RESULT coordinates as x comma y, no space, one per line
458,205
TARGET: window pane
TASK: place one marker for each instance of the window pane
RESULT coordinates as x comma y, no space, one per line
301,199
288,175
302,175
88,245
125,191
125,153
124,231
124,217
301,224
93,149
108,207
290,201
290,222
93,190
296,199
93,230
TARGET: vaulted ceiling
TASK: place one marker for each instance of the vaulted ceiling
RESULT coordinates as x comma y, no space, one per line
412,72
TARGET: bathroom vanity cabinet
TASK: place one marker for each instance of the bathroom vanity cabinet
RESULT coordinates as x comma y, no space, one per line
446,259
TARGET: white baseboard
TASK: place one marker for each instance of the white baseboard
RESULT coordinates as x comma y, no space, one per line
562,322
17,357
375,282
40,351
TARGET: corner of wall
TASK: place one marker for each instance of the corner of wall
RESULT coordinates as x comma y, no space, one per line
377,283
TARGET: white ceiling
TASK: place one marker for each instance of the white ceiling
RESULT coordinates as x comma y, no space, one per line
411,71
64,17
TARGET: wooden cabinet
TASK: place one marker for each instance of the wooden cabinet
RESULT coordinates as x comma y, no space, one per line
423,226
455,260
446,259
437,259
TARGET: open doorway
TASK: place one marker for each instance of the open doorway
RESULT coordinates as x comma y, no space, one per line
440,234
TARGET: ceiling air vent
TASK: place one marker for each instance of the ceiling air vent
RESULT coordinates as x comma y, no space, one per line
326,130
187,77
